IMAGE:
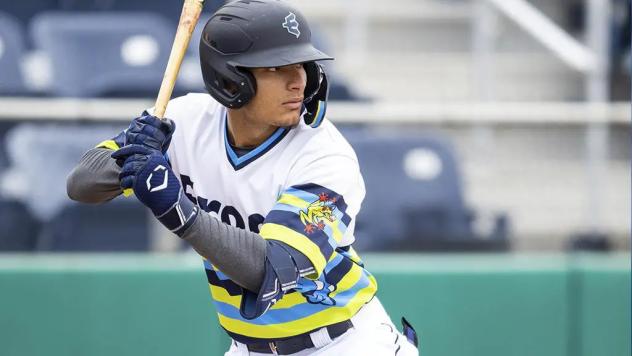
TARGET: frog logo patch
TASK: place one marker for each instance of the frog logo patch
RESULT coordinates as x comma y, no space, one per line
318,212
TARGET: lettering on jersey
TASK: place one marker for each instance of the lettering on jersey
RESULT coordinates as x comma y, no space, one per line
230,211
319,210
228,214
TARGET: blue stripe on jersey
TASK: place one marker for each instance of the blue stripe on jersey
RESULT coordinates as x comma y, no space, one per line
231,287
333,263
309,198
310,192
220,275
208,265
338,271
276,316
325,242
240,162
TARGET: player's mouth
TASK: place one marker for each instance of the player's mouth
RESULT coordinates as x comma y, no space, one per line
293,104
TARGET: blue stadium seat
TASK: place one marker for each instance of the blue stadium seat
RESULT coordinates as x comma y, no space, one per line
19,228
24,11
169,9
42,155
414,196
119,225
104,54
12,48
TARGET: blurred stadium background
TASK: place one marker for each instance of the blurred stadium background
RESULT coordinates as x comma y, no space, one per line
493,135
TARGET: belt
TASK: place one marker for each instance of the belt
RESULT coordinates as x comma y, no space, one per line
299,342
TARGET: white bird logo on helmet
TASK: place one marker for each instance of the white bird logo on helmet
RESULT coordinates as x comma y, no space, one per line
291,24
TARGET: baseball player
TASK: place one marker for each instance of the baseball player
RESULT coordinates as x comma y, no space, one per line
262,186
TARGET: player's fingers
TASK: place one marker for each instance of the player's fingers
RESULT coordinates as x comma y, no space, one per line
133,164
128,182
140,126
145,140
166,126
129,150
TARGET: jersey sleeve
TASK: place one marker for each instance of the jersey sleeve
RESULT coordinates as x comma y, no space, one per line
315,213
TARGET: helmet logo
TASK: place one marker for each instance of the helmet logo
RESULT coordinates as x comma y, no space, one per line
291,25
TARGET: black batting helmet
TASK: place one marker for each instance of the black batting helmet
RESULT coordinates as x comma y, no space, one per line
252,34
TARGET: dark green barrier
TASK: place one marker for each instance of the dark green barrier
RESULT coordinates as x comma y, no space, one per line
460,304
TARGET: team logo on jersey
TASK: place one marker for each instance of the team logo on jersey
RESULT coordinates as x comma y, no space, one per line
291,25
318,212
164,182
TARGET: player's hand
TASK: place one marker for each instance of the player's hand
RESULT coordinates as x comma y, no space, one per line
149,174
150,131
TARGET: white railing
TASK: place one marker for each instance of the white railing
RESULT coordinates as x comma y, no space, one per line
383,113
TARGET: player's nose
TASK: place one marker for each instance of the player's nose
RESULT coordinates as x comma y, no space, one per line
297,79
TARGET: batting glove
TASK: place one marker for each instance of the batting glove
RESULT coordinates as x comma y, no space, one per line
149,174
150,131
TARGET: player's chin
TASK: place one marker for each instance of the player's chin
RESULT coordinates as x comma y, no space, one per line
290,117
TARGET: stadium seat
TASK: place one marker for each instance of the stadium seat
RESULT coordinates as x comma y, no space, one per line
119,225
24,11
104,54
169,9
19,228
414,198
12,48
40,158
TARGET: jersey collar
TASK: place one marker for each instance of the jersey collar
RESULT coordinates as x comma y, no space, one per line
240,162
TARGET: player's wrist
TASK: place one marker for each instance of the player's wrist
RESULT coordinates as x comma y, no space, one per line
180,216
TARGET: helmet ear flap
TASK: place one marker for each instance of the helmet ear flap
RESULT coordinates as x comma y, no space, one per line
232,88
315,102
314,73
247,87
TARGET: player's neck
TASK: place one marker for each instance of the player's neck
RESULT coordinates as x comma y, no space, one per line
246,133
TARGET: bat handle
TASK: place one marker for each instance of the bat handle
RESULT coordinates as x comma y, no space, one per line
190,15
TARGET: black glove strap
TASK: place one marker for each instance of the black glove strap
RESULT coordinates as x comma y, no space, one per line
180,216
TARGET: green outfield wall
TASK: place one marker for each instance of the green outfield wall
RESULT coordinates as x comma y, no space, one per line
487,305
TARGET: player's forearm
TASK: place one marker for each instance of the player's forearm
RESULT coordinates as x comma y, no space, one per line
238,253
95,178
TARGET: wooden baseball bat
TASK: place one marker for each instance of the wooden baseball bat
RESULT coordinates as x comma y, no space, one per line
189,18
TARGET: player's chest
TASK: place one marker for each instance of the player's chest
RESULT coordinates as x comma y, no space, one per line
241,198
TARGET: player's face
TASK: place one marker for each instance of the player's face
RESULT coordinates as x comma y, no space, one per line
279,96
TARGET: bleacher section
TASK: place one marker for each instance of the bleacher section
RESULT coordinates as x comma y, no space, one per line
499,180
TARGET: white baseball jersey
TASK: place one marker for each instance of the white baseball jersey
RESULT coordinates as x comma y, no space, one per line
302,187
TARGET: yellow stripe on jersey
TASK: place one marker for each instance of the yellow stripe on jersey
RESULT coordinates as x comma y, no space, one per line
288,301
325,317
352,277
337,234
292,200
354,256
221,295
298,241
111,144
